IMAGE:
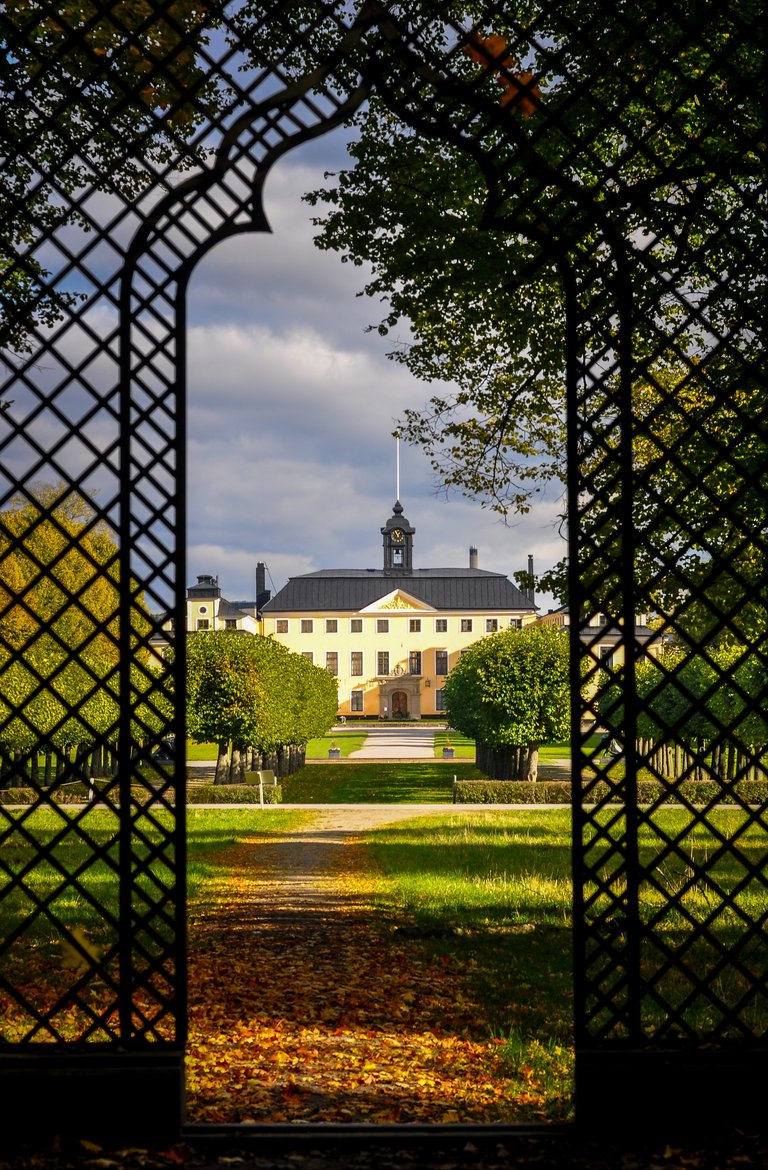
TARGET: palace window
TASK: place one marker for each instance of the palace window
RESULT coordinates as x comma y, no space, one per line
356,663
414,662
203,624
332,662
356,625
356,701
230,623
382,625
441,625
441,661
414,626
308,655
331,626
466,625
382,662
307,626
605,655
281,626
491,625
440,700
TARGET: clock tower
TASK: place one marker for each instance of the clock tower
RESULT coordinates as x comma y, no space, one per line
398,543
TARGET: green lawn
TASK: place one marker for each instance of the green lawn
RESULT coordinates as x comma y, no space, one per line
493,894
463,748
211,833
494,891
374,781
490,890
352,737
201,751
348,740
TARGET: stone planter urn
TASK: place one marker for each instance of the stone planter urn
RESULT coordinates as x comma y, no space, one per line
334,753
448,753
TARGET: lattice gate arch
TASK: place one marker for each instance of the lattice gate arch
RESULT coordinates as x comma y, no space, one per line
627,150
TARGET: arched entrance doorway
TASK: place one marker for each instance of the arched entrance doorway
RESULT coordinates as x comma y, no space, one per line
399,705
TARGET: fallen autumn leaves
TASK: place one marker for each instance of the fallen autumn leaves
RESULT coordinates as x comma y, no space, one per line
303,1007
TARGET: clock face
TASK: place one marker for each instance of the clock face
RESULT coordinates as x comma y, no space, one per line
397,535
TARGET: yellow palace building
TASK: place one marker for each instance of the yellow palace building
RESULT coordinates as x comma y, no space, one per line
391,635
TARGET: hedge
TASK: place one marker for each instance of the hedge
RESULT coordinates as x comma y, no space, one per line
696,792
234,794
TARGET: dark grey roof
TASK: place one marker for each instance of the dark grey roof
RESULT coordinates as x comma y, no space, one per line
354,589
228,609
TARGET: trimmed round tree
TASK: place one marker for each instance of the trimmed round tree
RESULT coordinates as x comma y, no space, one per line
510,693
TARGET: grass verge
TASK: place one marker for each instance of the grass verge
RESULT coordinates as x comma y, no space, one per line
493,897
345,741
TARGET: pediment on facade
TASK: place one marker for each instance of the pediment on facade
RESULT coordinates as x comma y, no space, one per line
398,599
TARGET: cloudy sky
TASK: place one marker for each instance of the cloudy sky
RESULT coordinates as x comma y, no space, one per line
292,408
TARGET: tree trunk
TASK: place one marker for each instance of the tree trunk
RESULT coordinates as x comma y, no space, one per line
532,763
502,763
237,765
222,763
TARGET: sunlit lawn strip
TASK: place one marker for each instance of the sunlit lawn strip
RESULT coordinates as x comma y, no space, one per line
492,895
375,782
463,748
345,741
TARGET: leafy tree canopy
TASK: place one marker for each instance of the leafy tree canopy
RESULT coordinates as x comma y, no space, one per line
511,690
59,623
641,138
88,91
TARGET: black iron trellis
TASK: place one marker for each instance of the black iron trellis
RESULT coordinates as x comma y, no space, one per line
132,145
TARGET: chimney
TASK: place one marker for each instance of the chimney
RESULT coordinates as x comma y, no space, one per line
262,593
472,557
530,591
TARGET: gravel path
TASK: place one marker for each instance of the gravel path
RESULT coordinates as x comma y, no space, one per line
297,869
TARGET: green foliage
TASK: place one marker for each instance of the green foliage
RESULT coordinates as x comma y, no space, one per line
649,791
110,85
512,792
234,794
511,688
253,691
468,268
687,696
59,626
